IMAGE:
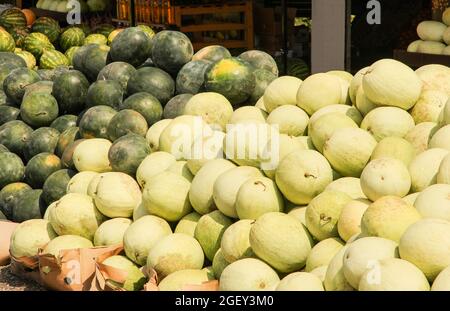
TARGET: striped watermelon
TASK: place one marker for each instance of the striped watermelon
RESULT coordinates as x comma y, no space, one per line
51,59
70,52
296,67
6,42
19,34
36,42
96,39
28,58
47,26
71,37
104,29
12,18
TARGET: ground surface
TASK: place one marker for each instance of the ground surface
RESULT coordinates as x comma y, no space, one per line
10,282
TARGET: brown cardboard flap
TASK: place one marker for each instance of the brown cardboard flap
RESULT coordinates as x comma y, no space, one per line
204,287
6,230
152,276
26,268
74,269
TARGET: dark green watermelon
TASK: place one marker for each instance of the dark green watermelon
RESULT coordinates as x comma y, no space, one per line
39,109
40,167
5,70
118,71
95,60
14,135
233,78
212,53
8,113
15,83
147,63
260,60
79,57
95,121
70,90
67,156
262,80
175,107
11,168
3,97
62,123
30,205
40,86
132,45
191,77
127,153
3,148
52,74
66,138
154,81
125,122
105,93
146,104
55,187
43,139
171,50
9,196
12,59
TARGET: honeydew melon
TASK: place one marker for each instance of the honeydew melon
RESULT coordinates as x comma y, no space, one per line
434,202
424,168
349,222
431,30
281,91
429,106
300,281
394,148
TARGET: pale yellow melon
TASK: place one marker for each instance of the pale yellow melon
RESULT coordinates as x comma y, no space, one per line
431,47
395,148
420,135
356,83
435,77
431,30
429,106
413,46
425,167
349,222
281,91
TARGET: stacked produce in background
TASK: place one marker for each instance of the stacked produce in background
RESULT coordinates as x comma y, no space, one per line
434,36
136,139
62,5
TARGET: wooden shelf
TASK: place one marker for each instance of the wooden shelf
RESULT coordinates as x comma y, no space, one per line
417,60
213,27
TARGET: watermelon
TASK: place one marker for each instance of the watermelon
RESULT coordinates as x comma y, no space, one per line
95,39
62,123
47,26
127,121
28,58
43,139
8,113
40,167
95,121
86,29
9,196
191,77
14,135
127,153
7,43
66,138
132,45
3,148
233,78
67,156
70,90
171,50
118,71
39,87
55,187
51,59
13,17
260,60
96,58
113,35
154,81
12,60
15,83
262,79
36,43
3,98
212,53
175,107
147,29
104,29
30,205
296,67
146,104
71,37
39,109
79,56
19,34
11,168
105,93
52,74
70,53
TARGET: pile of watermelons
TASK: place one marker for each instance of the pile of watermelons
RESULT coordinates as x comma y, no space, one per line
115,92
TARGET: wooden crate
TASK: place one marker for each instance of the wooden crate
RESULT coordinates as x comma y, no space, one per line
245,8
